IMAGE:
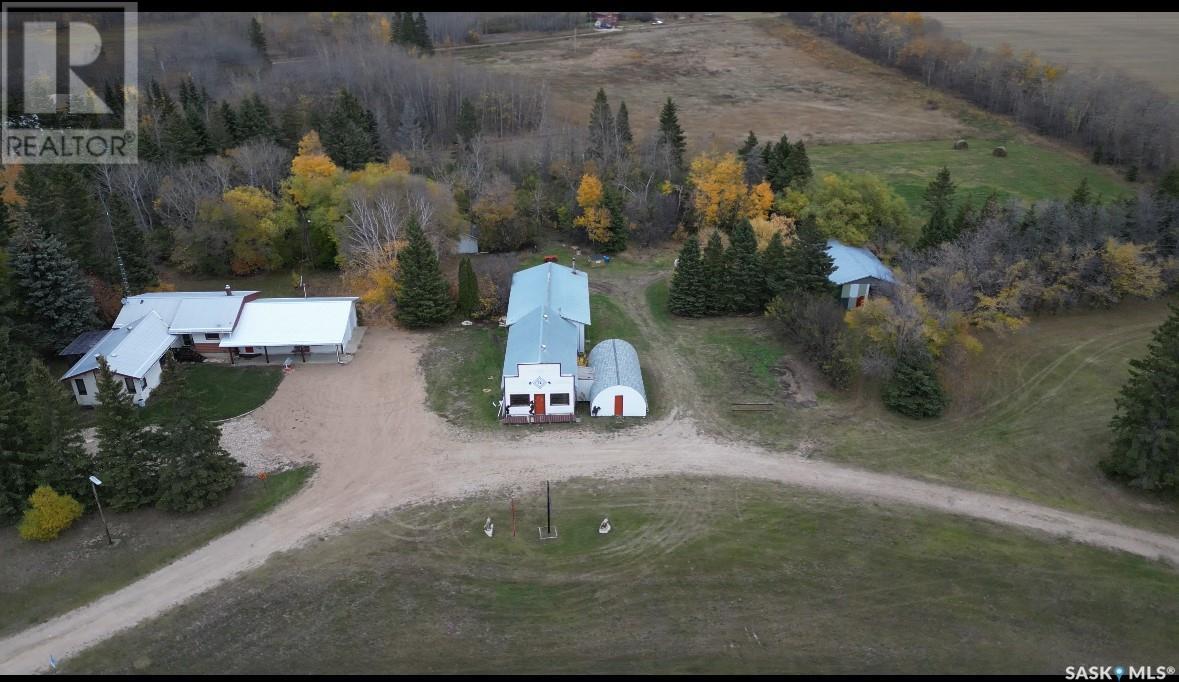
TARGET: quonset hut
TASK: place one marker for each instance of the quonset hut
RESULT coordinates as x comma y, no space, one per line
618,381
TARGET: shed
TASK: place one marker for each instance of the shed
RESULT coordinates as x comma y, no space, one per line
618,388
856,271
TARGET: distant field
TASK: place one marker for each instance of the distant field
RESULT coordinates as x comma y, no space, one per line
1029,171
728,77
1143,44
696,576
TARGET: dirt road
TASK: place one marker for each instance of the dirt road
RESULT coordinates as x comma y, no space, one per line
378,448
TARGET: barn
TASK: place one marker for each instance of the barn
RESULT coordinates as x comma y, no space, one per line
618,388
856,271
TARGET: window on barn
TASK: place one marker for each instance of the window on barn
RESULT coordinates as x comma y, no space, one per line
559,399
519,399
81,385
130,382
212,336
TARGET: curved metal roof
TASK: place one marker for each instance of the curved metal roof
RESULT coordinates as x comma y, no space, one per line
615,363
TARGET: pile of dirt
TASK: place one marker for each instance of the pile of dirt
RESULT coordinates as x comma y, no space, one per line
796,387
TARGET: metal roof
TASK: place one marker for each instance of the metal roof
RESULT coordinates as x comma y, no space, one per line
316,321
129,350
561,288
84,342
185,311
853,263
541,336
615,363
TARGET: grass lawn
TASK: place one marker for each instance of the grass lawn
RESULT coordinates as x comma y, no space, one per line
611,322
459,363
41,580
696,576
1029,172
225,391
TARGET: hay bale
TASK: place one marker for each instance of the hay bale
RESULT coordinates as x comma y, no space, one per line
961,144
999,151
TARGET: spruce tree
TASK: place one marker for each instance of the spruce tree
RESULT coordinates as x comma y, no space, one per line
409,30
254,121
58,200
622,122
747,289
964,219
424,298
671,135
17,467
395,29
468,288
55,434
808,265
913,390
128,472
228,125
1168,185
601,128
1145,425
748,146
1082,196
799,165
258,38
619,232
939,198
468,123
422,33
348,133
774,265
778,169
686,294
53,295
132,243
194,470
714,267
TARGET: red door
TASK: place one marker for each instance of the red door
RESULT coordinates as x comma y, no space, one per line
538,403
860,301
617,406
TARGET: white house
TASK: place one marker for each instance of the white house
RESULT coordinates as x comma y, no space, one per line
281,326
199,319
134,351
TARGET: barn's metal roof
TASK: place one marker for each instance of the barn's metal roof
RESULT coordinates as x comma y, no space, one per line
563,289
615,363
541,336
130,350
853,263
186,311
317,321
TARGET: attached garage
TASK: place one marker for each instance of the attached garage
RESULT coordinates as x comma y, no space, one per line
323,326
618,389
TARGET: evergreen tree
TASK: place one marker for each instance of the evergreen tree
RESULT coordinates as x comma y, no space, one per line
5,218
622,122
17,468
129,474
1082,196
1169,184
348,134
422,33
424,296
799,165
468,288
395,29
778,169
55,434
748,146
939,198
775,267
671,135
619,232
717,287
254,121
226,123
409,30
194,470
808,265
1145,452
132,243
601,128
913,390
50,288
258,38
468,123
964,219
747,289
686,294
59,201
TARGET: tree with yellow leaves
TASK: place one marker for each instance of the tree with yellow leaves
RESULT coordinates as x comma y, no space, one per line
594,216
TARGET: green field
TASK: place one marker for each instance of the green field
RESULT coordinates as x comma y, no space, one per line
41,580
224,391
1029,172
697,576
609,321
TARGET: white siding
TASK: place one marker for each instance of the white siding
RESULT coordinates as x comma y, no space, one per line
554,383
633,403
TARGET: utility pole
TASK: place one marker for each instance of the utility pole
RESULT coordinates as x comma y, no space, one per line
94,483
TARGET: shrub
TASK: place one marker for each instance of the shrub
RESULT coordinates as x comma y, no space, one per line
815,322
48,515
913,390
